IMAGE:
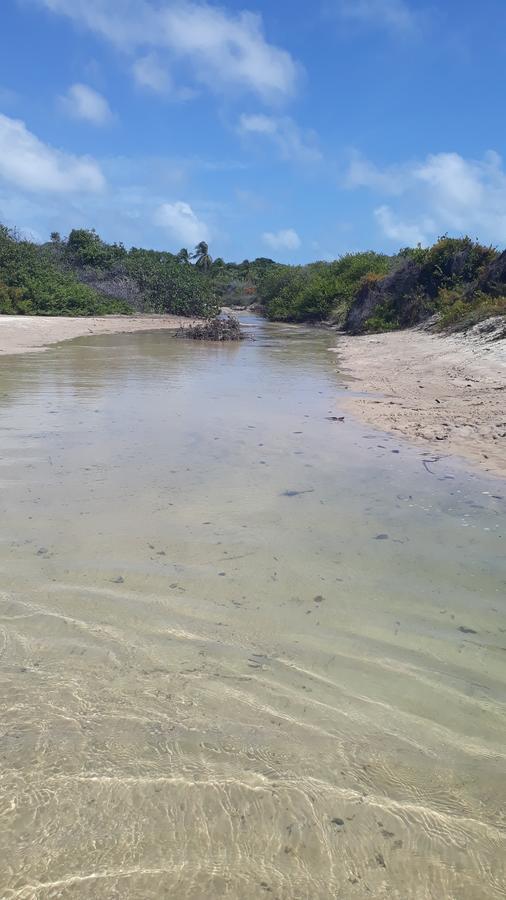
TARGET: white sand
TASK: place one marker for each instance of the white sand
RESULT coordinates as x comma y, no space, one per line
22,334
446,392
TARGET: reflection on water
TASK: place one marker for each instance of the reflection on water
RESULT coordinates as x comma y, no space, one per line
245,650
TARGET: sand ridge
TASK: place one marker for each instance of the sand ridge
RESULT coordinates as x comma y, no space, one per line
448,392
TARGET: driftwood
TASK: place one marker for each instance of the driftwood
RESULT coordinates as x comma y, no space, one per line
217,329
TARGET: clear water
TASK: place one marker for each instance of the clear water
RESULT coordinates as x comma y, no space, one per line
232,661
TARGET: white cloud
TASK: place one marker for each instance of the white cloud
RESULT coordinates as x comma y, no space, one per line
405,233
82,102
292,143
464,191
31,165
182,223
148,72
364,173
444,192
286,239
396,15
223,49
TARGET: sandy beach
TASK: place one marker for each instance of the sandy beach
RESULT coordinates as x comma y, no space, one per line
24,334
447,392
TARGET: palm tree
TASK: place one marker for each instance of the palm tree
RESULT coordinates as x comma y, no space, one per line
201,256
183,256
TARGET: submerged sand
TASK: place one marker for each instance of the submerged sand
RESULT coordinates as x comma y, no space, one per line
448,392
244,652
22,334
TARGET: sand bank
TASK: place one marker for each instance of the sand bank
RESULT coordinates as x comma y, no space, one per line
446,392
23,334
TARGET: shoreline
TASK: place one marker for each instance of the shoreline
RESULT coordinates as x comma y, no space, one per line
32,334
445,392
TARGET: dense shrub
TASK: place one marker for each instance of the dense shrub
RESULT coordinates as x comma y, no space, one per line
32,284
453,261
319,290
64,277
460,311
84,247
168,286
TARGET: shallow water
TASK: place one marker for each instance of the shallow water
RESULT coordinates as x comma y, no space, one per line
245,650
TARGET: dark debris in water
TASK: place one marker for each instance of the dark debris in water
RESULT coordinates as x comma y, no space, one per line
218,329
296,493
465,630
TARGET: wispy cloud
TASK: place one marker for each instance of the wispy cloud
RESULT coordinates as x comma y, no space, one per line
181,222
402,232
30,164
82,102
285,239
224,50
445,191
149,72
292,143
395,15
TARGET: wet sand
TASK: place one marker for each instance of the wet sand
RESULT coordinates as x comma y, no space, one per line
23,334
445,392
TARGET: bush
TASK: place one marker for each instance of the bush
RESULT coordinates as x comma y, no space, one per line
169,287
31,284
51,279
84,247
459,312
453,261
315,292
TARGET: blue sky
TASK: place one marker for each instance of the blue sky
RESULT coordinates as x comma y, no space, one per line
285,128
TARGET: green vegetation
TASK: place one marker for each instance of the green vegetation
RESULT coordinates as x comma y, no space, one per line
439,281
84,275
459,312
320,290
457,281
169,285
30,283
236,284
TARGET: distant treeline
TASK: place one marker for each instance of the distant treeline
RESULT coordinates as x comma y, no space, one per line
457,281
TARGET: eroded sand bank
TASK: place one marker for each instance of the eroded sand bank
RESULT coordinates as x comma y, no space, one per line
22,334
447,392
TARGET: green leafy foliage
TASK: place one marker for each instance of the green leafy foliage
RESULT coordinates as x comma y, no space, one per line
30,283
85,248
236,284
83,275
453,261
461,311
320,290
171,285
